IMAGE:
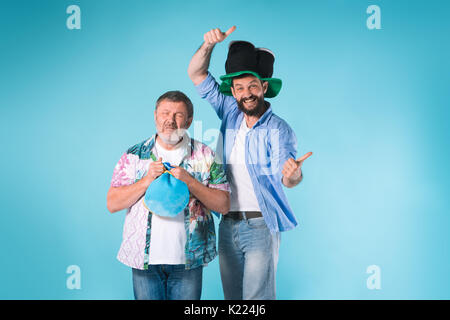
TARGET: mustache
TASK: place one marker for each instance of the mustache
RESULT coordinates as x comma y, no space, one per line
248,98
170,125
258,110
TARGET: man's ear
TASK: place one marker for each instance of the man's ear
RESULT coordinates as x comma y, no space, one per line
232,92
265,86
189,122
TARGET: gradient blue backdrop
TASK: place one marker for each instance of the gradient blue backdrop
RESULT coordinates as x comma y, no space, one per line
371,104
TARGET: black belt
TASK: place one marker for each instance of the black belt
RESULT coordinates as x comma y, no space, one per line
242,215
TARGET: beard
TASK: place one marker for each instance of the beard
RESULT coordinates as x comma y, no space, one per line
257,111
174,138
171,134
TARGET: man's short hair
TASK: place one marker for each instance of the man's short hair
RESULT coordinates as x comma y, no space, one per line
177,96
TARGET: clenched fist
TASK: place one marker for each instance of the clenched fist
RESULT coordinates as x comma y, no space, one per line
155,169
181,174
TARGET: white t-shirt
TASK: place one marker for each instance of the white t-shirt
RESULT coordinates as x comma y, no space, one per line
242,196
168,235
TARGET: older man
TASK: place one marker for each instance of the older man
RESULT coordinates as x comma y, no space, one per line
260,156
167,255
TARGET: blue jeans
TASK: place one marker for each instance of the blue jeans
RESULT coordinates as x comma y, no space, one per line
167,282
248,257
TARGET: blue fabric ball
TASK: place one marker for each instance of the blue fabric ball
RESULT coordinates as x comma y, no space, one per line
166,196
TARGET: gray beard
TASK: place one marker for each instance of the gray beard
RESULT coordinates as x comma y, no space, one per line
174,138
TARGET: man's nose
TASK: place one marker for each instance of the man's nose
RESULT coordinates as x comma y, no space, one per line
246,93
171,117
172,120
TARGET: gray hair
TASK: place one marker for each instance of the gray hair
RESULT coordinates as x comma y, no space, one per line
177,96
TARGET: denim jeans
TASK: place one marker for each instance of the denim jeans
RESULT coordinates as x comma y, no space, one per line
167,282
248,257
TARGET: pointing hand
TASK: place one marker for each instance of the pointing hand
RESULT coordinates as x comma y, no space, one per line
292,169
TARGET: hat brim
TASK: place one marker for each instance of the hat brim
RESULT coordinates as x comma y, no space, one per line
272,90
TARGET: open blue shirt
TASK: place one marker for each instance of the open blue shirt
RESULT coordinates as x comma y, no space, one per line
269,143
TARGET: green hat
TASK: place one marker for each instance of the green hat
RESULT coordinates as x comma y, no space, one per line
244,58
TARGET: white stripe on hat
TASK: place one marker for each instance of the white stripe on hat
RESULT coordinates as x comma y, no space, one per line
266,50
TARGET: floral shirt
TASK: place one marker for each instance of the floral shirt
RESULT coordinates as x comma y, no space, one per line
199,161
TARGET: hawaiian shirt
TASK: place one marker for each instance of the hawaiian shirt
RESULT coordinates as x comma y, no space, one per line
199,160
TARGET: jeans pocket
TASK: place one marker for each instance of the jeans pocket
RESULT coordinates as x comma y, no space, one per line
256,223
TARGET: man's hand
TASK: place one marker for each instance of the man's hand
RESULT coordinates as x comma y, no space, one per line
155,169
292,170
120,198
215,36
181,174
198,67
213,199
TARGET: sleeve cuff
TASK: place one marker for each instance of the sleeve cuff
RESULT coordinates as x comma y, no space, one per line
222,186
206,85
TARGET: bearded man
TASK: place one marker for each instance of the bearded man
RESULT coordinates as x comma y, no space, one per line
259,151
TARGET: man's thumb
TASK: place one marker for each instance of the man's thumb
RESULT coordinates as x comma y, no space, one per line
229,31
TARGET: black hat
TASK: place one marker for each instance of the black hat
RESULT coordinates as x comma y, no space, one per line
244,58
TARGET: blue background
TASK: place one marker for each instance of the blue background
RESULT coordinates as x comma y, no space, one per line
371,104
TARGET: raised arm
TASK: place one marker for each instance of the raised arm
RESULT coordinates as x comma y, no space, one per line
198,67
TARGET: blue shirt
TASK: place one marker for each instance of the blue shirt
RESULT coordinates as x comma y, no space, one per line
269,143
